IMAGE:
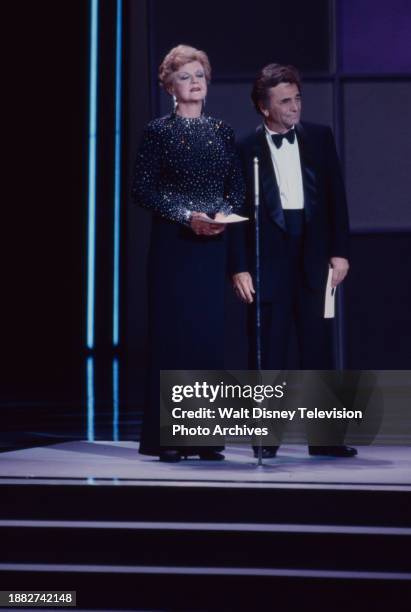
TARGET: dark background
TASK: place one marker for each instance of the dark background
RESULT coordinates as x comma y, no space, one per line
356,66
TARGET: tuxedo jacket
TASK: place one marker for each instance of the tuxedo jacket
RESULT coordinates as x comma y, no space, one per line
326,229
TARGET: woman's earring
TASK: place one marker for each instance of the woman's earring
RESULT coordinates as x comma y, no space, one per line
204,104
175,104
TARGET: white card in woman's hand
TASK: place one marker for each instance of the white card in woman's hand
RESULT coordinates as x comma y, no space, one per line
233,218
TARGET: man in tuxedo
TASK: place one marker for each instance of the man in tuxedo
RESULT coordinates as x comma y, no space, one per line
303,230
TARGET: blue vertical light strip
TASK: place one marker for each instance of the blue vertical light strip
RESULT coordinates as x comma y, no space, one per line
92,142
117,178
90,399
116,398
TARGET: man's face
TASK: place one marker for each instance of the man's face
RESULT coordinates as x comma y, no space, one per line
282,109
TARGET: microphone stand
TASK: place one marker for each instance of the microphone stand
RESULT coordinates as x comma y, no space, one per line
257,281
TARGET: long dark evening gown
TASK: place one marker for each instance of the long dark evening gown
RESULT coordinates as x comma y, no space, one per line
184,165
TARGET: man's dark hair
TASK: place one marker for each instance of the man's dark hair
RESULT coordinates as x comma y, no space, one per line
270,76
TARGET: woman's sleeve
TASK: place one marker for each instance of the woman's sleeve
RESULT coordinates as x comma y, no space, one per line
146,178
234,185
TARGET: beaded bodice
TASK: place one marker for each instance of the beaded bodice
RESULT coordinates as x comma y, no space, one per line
187,165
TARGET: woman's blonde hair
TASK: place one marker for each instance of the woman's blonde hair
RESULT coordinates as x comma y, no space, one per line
177,57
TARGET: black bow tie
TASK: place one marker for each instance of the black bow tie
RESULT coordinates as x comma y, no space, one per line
278,138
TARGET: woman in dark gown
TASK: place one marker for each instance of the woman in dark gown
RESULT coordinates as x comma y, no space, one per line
186,170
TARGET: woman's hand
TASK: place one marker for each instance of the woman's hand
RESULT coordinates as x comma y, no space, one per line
205,228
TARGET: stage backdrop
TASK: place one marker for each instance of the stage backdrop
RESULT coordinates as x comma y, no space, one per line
364,96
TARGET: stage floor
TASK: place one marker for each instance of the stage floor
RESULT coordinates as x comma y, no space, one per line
385,466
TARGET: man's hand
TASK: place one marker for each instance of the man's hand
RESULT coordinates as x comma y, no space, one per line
204,228
243,286
340,268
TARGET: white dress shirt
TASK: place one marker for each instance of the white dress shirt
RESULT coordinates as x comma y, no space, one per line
287,167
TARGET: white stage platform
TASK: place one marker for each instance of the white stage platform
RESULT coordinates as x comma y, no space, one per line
105,460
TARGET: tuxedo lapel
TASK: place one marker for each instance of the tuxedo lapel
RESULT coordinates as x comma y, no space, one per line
308,172
268,180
